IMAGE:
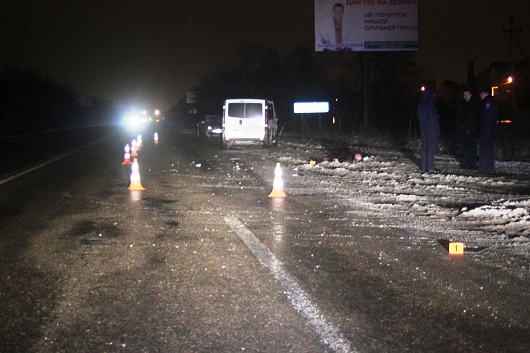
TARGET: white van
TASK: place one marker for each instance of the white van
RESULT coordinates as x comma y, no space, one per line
248,121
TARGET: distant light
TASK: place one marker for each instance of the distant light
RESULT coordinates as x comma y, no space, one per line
135,119
157,112
494,90
422,88
510,79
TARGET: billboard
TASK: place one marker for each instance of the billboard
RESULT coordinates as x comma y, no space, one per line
366,25
311,107
193,97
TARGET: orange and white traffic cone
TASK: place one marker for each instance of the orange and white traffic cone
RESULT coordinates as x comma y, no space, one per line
139,142
127,157
156,138
135,177
134,148
277,185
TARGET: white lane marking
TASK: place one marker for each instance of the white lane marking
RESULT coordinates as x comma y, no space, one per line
36,167
302,303
29,170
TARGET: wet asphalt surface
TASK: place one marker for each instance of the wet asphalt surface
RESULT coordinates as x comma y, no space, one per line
89,266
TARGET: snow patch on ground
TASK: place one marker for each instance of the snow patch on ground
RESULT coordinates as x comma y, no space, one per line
477,209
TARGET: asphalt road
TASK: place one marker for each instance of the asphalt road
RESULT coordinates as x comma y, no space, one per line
202,260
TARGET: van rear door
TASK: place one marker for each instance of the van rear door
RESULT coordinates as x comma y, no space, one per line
244,119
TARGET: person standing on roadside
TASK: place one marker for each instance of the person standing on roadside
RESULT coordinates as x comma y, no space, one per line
467,117
488,126
429,129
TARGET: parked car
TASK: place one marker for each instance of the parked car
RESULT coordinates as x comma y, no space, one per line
209,126
249,121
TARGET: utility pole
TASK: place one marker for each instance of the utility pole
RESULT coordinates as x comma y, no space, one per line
511,30
366,85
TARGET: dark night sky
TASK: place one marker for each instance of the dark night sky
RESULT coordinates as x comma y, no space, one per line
152,52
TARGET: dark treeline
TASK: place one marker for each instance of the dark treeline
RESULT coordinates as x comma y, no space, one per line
300,74
391,81
30,102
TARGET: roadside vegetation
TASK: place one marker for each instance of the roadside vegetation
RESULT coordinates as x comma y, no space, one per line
30,102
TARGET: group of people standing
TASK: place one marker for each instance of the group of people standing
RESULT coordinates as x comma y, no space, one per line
476,119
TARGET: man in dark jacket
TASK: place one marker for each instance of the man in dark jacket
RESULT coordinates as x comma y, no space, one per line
429,129
467,117
488,125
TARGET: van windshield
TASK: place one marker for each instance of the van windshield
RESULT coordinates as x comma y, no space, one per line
245,110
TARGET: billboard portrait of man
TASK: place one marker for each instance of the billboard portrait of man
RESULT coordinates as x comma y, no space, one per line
335,31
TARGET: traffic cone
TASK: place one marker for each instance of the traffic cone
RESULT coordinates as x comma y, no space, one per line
134,148
277,185
156,138
127,157
135,177
139,142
